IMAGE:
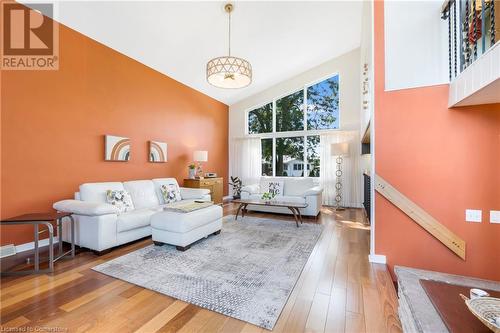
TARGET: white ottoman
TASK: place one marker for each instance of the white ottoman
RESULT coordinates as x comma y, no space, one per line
183,229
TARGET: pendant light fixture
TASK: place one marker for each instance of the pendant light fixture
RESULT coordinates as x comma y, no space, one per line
229,72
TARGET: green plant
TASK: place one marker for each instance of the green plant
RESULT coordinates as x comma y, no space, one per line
191,166
237,184
267,196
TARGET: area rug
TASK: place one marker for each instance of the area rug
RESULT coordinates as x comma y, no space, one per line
247,271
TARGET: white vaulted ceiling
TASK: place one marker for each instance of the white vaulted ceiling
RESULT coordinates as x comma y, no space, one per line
280,39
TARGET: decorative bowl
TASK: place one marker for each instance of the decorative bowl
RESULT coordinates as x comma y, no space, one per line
486,309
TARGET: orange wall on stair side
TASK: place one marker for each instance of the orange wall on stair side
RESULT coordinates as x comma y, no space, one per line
53,125
445,160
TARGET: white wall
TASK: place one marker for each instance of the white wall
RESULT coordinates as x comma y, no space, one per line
348,68
366,49
416,44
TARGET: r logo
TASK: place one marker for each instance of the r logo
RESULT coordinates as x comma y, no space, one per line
27,31
29,38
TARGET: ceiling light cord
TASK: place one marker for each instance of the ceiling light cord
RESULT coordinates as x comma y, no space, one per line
229,38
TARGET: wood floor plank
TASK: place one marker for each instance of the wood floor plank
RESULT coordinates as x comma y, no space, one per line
45,305
232,326
354,323
35,291
196,323
90,296
388,298
162,318
317,315
335,321
214,324
354,297
88,316
16,322
374,321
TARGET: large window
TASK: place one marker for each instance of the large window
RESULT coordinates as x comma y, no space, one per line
289,128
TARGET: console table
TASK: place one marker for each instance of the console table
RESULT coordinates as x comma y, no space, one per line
37,219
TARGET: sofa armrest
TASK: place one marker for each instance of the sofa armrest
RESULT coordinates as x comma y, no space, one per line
251,189
193,193
85,207
314,191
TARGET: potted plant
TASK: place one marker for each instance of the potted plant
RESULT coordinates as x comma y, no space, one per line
192,171
267,197
237,184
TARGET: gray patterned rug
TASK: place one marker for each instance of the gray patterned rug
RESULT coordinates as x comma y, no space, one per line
247,271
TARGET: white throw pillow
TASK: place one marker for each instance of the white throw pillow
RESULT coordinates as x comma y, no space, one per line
121,199
170,193
274,187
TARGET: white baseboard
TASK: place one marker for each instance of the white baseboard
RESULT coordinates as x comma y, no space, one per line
377,259
30,246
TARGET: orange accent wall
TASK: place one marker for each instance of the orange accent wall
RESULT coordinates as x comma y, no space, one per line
445,160
53,125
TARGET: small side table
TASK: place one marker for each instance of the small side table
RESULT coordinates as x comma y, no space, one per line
37,219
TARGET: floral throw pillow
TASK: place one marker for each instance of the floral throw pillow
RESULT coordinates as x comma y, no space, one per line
121,199
170,193
274,188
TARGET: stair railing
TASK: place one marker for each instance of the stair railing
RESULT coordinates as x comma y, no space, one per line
473,28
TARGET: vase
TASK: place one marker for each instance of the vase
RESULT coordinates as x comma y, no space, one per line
192,173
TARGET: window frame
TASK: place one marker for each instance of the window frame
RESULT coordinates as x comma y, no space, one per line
303,133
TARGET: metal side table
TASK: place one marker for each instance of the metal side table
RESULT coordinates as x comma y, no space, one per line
37,219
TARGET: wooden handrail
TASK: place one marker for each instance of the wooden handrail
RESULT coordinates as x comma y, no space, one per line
421,217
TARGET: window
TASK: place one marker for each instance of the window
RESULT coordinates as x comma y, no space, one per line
313,156
267,157
289,127
290,112
260,120
289,151
323,104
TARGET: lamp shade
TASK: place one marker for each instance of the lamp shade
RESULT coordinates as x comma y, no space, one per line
340,149
200,156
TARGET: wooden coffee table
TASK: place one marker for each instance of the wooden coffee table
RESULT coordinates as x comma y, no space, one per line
293,206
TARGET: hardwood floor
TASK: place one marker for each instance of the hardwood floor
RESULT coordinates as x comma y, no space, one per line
338,291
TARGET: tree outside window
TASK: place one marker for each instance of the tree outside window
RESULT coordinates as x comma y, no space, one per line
260,120
323,104
303,143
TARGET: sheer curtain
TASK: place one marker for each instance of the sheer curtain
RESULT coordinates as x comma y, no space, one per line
351,173
247,160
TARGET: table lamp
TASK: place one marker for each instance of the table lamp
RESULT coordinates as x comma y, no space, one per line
200,156
339,150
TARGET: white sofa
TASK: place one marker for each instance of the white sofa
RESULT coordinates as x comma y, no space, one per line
100,225
299,190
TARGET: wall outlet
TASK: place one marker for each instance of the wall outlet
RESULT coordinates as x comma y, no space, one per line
494,216
473,215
